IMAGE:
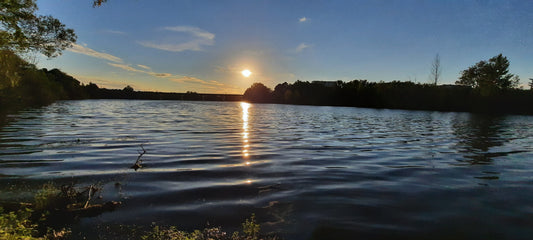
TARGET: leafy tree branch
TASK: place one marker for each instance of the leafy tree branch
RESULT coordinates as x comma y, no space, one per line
21,30
489,75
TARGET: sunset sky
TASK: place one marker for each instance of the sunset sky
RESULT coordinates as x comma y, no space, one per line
202,46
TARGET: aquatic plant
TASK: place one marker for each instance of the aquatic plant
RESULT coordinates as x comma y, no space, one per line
138,162
53,207
46,196
251,228
250,231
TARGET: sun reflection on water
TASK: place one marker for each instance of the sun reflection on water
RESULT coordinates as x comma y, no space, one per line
245,134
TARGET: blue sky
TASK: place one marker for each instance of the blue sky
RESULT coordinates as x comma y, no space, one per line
202,46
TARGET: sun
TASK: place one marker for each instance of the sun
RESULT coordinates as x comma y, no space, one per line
246,73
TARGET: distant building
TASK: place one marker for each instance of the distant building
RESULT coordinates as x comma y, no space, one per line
326,83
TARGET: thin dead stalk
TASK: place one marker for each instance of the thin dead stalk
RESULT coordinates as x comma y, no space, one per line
89,198
137,164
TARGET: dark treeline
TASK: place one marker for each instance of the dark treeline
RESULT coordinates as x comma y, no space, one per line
23,85
394,95
485,87
129,93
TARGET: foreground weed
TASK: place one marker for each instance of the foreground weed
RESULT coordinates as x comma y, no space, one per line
17,225
250,231
46,197
251,228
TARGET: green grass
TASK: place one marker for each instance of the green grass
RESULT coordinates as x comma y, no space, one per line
17,225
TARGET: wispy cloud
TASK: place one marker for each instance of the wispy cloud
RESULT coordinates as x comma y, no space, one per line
127,68
199,39
191,46
145,70
113,84
303,19
302,47
228,69
192,30
216,83
143,66
163,75
184,79
115,32
169,76
76,48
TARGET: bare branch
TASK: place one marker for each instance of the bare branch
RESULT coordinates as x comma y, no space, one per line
137,164
435,70
89,198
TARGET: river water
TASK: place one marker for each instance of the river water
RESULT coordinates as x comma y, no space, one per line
307,172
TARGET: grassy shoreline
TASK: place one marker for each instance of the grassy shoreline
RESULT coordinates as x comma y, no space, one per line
54,208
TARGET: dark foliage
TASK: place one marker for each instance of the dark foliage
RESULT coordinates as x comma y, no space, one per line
71,88
23,85
104,93
486,87
22,30
490,76
399,95
258,92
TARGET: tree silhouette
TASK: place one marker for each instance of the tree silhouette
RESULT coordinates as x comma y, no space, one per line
128,89
258,92
21,30
435,70
10,69
489,75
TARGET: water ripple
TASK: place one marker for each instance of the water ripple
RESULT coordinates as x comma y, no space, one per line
305,171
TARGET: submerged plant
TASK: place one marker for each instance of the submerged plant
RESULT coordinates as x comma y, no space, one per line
162,233
251,228
53,208
46,196
67,197
250,231
138,162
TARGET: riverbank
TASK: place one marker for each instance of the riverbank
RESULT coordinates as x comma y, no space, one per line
22,85
53,210
146,95
395,95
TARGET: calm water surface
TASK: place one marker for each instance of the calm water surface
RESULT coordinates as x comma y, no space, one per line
306,172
